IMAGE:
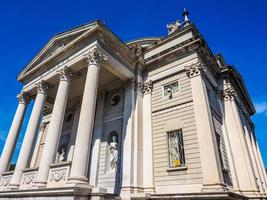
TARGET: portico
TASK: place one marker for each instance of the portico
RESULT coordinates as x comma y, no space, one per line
77,83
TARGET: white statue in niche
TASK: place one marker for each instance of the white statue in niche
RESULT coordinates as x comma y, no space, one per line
113,147
60,157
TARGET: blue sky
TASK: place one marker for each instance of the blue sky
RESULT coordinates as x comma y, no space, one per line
237,29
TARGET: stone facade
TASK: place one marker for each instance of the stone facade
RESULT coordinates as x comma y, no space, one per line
155,118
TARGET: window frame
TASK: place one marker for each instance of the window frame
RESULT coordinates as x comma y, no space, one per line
169,83
182,165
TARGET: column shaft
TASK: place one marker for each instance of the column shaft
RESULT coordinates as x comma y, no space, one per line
55,127
98,126
31,132
209,155
79,168
13,133
127,140
147,140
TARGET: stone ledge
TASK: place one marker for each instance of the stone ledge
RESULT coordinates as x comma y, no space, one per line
80,190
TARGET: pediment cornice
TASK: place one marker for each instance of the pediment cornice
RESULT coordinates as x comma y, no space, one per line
63,43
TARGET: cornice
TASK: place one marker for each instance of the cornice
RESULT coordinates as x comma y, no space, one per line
103,32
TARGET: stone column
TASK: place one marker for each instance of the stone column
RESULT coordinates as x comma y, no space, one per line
148,179
98,127
74,131
13,134
209,155
31,131
79,168
127,160
260,164
55,127
237,141
252,159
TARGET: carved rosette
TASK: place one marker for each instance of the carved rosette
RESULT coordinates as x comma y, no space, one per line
147,87
95,57
195,69
42,87
66,74
58,175
228,94
24,98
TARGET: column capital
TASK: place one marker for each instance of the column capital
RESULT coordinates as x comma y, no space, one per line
194,69
227,94
95,56
42,87
65,74
147,87
24,98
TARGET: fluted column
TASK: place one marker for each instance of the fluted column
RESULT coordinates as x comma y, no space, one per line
55,127
31,131
79,168
13,134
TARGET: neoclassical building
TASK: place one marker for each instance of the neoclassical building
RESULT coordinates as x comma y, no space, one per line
154,118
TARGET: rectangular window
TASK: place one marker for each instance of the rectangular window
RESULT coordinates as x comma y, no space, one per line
176,149
171,88
218,139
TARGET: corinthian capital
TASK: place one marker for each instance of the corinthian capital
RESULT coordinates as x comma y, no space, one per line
95,56
23,98
147,87
65,74
42,87
228,94
195,69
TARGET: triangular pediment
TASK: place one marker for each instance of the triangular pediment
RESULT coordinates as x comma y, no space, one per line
56,44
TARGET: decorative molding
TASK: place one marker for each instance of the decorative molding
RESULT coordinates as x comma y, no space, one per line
28,178
194,69
147,87
43,126
58,175
95,57
24,98
5,181
42,87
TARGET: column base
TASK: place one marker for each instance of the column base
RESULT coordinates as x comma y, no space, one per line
13,186
78,179
38,184
217,187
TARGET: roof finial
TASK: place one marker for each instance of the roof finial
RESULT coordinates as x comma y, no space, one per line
186,19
